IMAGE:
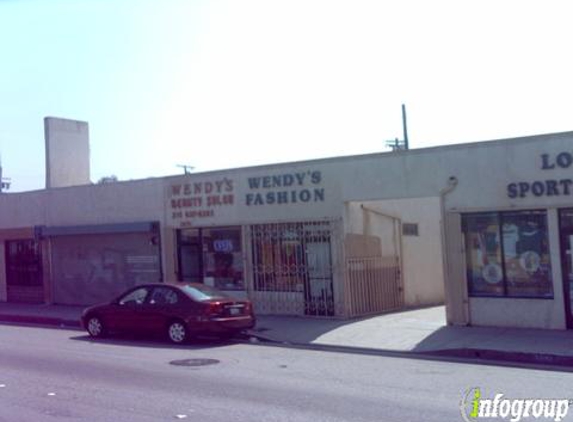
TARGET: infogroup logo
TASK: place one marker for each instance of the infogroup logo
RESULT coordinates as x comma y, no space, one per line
474,406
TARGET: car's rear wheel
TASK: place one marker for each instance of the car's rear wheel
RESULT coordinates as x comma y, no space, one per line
177,332
95,326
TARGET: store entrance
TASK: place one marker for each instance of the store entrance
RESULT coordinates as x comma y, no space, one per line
566,235
212,256
292,268
191,262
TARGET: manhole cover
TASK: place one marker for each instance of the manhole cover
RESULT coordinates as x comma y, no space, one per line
194,362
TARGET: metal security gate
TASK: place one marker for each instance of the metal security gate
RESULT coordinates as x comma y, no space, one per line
24,271
292,268
373,274
373,285
94,268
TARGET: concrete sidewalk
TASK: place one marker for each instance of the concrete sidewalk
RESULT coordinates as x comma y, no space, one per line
424,332
420,332
60,315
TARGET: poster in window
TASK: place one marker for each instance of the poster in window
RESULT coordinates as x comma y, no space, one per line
483,255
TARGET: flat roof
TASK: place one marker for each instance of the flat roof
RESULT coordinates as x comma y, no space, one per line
414,151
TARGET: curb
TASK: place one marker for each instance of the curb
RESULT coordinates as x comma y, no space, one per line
544,361
500,355
541,361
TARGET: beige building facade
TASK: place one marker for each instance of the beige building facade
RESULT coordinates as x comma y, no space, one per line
486,227
308,238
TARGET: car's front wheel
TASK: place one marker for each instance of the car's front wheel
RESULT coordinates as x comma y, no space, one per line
177,332
95,327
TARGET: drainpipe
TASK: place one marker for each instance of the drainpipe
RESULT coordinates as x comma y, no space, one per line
397,237
452,183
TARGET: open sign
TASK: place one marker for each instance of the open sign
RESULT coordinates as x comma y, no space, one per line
223,245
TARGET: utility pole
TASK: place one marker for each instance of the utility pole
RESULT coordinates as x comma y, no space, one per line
405,127
397,144
186,168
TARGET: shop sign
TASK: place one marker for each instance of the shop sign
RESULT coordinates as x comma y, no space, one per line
547,187
199,199
287,188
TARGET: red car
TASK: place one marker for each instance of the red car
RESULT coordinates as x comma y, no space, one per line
180,311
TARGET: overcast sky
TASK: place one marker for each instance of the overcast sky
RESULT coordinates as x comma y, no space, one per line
230,83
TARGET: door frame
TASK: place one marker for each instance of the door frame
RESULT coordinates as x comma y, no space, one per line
312,305
197,243
564,235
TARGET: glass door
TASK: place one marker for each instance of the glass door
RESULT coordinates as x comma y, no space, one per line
566,250
319,292
190,256
566,234
212,256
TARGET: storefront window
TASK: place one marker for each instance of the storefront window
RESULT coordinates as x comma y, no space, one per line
526,249
279,261
483,249
223,258
507,254
212,256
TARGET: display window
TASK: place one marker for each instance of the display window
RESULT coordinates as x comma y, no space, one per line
212,256
507,254
279,259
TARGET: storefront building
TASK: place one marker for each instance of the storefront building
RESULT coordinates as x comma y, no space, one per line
510,241
308,238
487,227
279,235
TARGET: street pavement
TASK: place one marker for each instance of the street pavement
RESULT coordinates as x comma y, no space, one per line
420,331
61,374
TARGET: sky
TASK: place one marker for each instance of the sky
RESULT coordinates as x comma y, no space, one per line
231,83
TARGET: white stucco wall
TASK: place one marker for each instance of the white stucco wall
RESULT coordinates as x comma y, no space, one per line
484,184
289,192
422,256
95,204
483,171
406,183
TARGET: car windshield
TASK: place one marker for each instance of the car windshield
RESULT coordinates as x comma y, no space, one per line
202,293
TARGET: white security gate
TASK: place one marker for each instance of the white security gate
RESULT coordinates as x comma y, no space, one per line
292,268
373,276
373,285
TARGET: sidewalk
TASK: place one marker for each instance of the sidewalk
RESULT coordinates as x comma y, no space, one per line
60,315
420,332
424,332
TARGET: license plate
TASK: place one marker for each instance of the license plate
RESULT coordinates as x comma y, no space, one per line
234,311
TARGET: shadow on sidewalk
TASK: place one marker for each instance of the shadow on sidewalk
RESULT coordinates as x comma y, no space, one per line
518,345
295,329
412,324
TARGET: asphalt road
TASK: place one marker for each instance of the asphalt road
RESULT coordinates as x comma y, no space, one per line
61,375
